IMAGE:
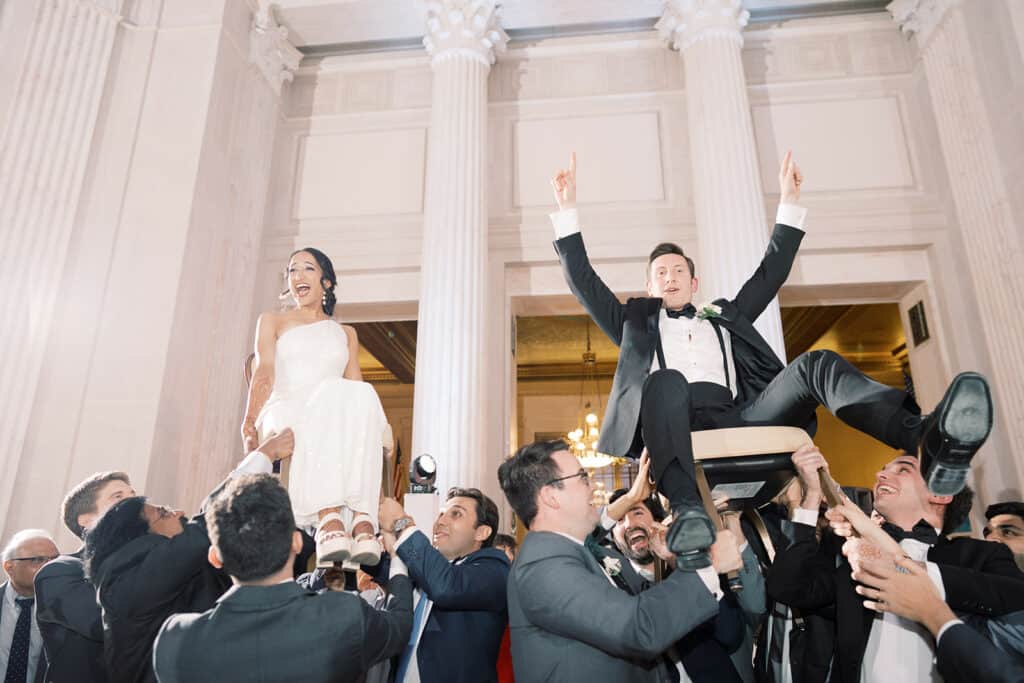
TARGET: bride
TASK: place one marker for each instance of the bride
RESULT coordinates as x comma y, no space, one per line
306,377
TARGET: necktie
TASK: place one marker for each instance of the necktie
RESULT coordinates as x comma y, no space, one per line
922,531
17,663
410,649
687,311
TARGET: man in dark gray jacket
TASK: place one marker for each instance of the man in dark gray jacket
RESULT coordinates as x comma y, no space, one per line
267,627
569,620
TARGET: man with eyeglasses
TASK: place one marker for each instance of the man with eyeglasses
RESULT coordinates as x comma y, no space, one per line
570,619
21,645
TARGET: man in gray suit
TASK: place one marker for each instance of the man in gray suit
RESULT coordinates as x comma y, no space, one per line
266,627
569,620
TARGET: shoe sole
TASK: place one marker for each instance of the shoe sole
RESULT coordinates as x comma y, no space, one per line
967,419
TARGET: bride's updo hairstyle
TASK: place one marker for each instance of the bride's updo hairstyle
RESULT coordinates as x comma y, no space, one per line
328,280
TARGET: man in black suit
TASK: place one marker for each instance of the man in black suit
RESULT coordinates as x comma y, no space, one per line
21,644
460,581
961,653
266,627
148,561
973,576
1005,524
66,610
683,367
569,619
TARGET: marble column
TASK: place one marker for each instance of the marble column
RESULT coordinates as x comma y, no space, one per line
448,413
992,243
44,148
732,228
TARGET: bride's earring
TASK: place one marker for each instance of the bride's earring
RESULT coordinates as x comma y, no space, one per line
323,298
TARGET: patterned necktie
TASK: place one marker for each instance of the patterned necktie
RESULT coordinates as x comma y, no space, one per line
17,663
410,649
687,311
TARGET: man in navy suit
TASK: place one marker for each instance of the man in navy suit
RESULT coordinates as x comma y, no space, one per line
460,578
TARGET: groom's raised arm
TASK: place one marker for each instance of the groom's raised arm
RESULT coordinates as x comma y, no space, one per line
588,288
771,274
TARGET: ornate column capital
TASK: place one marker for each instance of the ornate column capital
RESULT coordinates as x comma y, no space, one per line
920,17
686,22
269,49
470,28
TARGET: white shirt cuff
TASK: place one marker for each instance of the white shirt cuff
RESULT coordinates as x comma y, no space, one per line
804,516
404,536
254,463
791,214
710,578
936,576
565,222
946,627
398,567
606,522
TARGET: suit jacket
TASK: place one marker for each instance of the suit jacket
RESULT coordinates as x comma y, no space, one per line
462,635
964,655
283,633
71,623
144,582
569,623
979,577
41,664
634,327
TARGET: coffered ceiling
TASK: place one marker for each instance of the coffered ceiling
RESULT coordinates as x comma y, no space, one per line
324,27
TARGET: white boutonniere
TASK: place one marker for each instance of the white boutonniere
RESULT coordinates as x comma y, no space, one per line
612,566
708,310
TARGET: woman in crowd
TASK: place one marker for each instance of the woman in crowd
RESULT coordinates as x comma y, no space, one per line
306,377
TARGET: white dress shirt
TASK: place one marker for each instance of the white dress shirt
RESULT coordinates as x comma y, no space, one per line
898,649
8,622
691,345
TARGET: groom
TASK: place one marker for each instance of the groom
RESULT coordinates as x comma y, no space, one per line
683,368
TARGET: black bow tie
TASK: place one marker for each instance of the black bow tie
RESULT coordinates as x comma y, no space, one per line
922,531
687,311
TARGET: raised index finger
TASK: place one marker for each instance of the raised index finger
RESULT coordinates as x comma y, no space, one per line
572,165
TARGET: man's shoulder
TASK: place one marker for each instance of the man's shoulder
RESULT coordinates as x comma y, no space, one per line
963,549
62,566
545,545
489,556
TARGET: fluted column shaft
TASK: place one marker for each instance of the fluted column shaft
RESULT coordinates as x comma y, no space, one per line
732,228
448,414
43,154
992,242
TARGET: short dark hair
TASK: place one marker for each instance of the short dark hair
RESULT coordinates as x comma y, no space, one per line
1010,507
652,504
957,510
670,248
81,500
506,541
486,510
252,525
529,470
121,524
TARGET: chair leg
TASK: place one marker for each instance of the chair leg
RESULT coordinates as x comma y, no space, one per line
735,584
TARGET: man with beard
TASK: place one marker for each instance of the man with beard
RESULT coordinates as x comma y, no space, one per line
1006,525
724,645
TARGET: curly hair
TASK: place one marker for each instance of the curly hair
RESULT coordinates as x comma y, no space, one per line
122,523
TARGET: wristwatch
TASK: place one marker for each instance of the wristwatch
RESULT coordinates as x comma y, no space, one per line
401,524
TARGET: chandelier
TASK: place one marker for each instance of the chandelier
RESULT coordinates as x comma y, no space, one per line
584,437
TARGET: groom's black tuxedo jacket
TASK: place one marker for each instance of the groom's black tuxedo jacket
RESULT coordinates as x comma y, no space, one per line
980,577
634,327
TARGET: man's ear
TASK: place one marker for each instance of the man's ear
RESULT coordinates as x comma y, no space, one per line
482,532
547,498
213,557
694,284
86,519
650,291
296,542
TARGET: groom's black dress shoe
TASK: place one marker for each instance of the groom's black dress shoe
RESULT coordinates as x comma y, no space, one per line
954,432
690,537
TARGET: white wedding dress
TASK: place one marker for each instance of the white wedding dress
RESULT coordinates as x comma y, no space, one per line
338,423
